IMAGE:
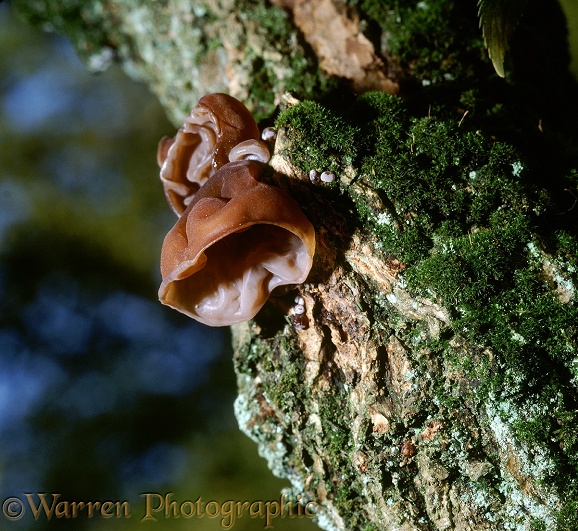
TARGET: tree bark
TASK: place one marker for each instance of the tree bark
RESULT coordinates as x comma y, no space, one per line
432,381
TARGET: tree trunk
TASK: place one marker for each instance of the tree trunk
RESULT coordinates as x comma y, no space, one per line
432,381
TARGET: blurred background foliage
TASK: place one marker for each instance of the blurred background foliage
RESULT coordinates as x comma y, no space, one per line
570,8
104,393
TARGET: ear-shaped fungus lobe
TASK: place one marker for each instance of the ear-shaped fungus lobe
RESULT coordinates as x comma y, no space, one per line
201,146
237,241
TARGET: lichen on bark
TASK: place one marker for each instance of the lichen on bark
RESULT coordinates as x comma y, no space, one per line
438,335
184,49
432,382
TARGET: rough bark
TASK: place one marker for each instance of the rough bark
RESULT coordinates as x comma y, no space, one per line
400,401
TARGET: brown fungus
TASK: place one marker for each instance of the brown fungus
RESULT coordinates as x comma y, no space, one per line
238,239
408,449
202,145
250,150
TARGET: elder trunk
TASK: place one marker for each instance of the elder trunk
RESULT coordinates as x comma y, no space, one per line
431,382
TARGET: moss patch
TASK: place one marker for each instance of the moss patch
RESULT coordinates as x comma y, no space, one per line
290,67
428,38
335,138
472,217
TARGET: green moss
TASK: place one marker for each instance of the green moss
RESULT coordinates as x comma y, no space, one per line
538,525
470,268
428,38
462,210
284,393
432,167
336,424
347,500
459,209
567,519
566,245
567,434
292,70
283,364
533,430
280,367
335,139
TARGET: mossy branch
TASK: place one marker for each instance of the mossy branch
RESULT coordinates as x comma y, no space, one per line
432,383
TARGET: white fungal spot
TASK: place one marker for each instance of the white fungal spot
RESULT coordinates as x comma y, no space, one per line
519,338
268,134
313,176
327,177
299,309
517,168
384,219
299,300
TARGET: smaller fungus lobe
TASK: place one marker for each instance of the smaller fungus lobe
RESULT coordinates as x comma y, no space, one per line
237,240
269,134
299,308
300,321
250,150
202,145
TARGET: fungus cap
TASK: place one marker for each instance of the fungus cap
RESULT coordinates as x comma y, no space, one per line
201,146
238,239
250,150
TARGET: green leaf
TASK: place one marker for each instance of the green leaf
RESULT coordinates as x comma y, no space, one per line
498,18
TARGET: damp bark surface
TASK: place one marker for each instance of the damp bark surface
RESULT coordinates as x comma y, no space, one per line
431,382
